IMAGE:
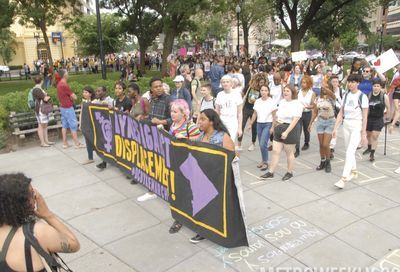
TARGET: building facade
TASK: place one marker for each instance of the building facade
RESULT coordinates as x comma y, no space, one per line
30,44
259,36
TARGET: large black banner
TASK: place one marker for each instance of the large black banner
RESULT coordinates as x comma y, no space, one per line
195,178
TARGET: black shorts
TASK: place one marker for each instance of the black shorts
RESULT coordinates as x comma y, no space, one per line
293,136
375,124
396,94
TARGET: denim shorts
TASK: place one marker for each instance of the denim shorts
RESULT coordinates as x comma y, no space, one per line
68,118
325,126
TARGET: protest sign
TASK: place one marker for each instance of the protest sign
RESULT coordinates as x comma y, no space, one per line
299,56
385,61
195,178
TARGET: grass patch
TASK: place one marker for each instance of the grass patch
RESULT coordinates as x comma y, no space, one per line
18,85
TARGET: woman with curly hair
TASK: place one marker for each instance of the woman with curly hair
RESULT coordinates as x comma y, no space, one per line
20,204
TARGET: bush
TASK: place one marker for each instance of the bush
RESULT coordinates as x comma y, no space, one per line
15,67
17,101
3,138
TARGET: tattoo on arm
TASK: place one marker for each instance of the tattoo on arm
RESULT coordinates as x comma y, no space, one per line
65,246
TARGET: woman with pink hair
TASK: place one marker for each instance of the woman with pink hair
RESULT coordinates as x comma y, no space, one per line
182,127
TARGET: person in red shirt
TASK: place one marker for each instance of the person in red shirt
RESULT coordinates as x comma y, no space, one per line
68,118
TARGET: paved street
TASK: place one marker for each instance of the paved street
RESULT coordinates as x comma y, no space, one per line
304,222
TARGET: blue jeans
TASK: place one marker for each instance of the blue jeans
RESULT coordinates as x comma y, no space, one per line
263,138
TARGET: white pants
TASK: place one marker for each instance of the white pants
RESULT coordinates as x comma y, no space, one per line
231,123
352,137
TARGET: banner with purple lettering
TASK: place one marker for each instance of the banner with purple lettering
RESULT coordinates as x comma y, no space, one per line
195,178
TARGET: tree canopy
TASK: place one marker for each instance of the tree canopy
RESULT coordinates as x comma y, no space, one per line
44,13
85,29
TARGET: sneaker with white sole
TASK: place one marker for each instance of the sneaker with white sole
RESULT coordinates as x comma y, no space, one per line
397,171
146,196
251,147
238,148
341,183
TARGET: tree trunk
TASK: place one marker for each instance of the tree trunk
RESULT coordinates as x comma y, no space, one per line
143,49
167,49
47,42
295,39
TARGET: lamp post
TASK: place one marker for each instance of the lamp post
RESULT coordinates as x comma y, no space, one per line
36,35
99,34
237,9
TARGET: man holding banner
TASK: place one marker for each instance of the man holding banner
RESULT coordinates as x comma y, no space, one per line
160,114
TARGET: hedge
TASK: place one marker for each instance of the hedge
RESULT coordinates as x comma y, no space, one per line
17,101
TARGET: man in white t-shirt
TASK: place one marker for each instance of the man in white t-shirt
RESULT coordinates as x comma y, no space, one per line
228,105
275,87
354,113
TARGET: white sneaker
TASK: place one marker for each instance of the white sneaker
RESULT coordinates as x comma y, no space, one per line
397,171
251,147
146,196
341,183
238,148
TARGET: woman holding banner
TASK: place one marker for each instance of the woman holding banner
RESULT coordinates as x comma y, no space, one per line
182,127
213,131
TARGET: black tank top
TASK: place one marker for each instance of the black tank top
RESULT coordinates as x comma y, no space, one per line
3,264
376,106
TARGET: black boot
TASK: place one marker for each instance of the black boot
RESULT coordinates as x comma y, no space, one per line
297,153
305,146
328,167
321,165
368,150
372,155
332,151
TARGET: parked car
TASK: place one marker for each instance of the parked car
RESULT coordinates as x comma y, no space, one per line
4,69
349,56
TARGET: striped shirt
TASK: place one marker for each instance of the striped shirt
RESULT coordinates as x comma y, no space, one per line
187,130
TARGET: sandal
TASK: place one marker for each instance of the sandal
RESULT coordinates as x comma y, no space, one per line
264,167
176,226
66,146
260,165
44,145
80,146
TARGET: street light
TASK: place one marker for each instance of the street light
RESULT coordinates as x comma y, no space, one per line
36,35
99,34
237,17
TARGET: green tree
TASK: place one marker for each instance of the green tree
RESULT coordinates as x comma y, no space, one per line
7,45
390,41
45,13
85,29
312,43
210,26
177,17
252,12
298,16
6,14
349,40
140,21
350,16
372,41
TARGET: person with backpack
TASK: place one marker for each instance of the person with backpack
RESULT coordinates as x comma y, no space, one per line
354,114
38,100
23,238
378,102
207,101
